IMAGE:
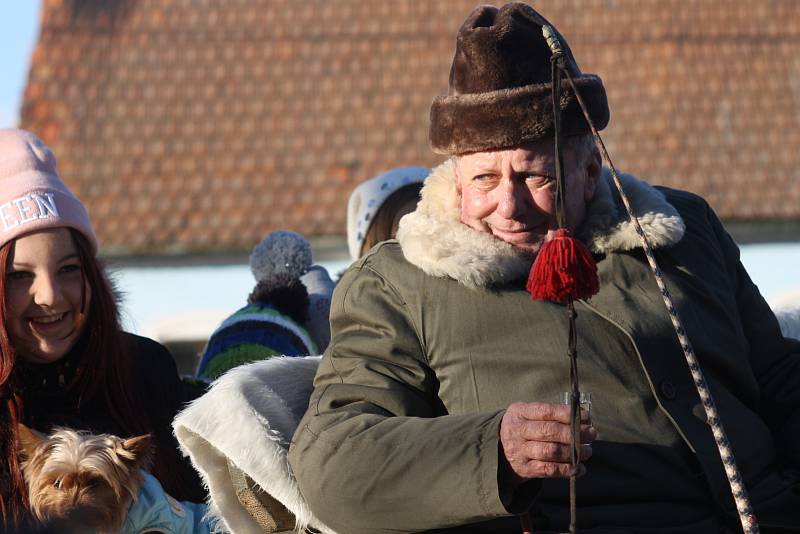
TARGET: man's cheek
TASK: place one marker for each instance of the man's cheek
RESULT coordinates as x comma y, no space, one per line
476,205
545,202
472,214
470,217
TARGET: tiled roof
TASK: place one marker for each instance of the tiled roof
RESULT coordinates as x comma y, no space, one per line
199,125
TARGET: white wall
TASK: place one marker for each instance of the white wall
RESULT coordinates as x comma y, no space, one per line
169,303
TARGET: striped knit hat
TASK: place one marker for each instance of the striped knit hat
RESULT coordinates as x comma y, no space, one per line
255,332
272,322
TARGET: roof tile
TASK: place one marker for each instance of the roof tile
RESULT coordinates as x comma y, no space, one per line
186,126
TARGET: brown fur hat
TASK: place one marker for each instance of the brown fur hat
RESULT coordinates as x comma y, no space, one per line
499,94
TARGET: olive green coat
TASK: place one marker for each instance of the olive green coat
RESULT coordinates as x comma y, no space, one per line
434,336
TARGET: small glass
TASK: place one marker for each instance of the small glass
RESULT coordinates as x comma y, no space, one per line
585,400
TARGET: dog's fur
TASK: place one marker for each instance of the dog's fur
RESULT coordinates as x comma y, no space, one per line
82,479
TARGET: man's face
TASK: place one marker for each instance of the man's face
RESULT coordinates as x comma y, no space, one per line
511,193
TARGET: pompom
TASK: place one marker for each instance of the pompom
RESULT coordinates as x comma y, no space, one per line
563,270
280,253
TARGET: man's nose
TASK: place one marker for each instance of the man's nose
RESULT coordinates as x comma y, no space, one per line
513,199
45,290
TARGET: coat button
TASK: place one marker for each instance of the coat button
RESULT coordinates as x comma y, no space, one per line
667,389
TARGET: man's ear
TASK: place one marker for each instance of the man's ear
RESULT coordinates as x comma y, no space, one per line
594,170
29,439
456,177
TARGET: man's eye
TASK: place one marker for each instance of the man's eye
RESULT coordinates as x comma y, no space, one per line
485,181
538,181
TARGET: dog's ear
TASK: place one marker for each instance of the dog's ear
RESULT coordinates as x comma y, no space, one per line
140,448
28,439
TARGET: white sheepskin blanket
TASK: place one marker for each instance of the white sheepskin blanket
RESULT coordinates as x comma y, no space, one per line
249,416
789,319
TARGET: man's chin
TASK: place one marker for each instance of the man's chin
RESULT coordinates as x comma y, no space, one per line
528,243
527,247
530,249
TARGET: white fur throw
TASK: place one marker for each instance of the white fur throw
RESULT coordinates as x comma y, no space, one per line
789,319
249,416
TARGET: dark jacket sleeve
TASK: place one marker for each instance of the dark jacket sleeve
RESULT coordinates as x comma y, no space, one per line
375,451
775,359
164,396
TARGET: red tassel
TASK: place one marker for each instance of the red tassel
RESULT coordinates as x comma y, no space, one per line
564,269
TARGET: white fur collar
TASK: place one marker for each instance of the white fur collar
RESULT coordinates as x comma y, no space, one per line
434,239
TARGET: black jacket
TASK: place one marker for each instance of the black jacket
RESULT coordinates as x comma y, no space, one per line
155,378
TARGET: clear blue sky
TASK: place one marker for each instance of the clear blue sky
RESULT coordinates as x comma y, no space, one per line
19,29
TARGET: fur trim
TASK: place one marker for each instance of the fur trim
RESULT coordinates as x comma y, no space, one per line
248,417
607,227
434,239
511,117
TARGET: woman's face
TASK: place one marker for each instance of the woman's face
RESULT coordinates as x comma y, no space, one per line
44,292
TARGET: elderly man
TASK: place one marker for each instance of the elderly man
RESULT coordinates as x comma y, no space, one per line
439,403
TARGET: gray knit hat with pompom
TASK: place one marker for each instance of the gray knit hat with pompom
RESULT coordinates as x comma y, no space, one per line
280,253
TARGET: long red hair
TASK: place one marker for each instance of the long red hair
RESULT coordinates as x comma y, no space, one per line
106,369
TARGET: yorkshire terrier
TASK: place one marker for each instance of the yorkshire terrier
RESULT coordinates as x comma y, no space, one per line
75,478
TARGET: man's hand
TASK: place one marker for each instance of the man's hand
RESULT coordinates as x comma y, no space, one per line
535,440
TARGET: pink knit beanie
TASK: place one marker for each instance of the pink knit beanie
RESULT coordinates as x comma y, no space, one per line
32,196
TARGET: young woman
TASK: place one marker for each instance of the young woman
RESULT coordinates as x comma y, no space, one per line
64,360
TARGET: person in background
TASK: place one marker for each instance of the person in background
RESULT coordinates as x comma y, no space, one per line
374,210
287,312
64,359
376,206
280,318
319,287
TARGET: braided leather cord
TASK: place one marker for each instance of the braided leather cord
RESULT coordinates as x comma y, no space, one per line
557,60
738,490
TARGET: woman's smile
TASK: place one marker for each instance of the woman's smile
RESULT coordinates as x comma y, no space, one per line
51,325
